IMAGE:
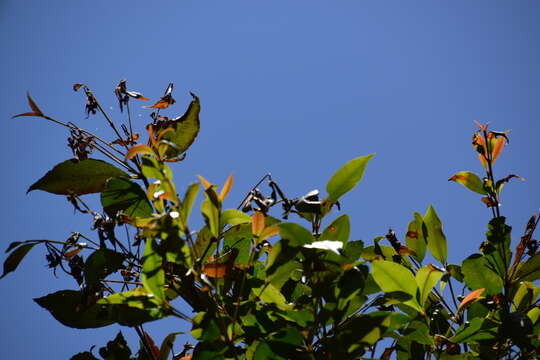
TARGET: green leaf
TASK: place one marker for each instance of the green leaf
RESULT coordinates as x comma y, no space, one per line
15,258
167,345
391,277
338,230
529,271
121,194
71,308
211,216
134,307
189,199
116,349
185,129
73,177
295,234
235,217
436,241
467,330
346,178
153,276
239,237
153,169
100,264
470,180
497,248
426,279
415,238
271,295
477,275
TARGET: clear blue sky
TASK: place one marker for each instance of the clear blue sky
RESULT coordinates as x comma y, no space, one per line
295,88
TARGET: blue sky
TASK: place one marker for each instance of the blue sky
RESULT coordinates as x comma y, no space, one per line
295,88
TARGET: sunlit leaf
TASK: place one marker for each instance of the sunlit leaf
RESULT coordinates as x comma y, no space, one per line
206,184
15,258
436,241
470,180
234,217
338,230
140,149
73,177
477,275
415,239
426,279
391,277
211,216
347,177
471,298
268,232
226,188
257,223
185,129
189,199
217,270
121,194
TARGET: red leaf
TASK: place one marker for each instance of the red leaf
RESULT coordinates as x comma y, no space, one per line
471,298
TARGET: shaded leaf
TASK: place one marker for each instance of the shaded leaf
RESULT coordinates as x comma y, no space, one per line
100,264
347,177
153,276
296,234
73,177
15,258
121,194
72,309
116,349
530,270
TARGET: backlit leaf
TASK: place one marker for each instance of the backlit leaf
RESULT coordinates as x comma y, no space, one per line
426,279
391,277
185,129
471,298
257,223
73,177
338,230
347,177
436,241
530,270
477,275
234,217
226,188
415,238
140,149
470,180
